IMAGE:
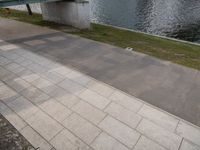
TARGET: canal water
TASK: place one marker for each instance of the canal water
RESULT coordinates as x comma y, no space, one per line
178,19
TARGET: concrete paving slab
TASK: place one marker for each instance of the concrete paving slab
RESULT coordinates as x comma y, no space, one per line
188,132
186,145
23,107
121,132
94,99
44,125
81,128
165,138
36,140
158,117
67,141
122,114
89,112
106,142
145,143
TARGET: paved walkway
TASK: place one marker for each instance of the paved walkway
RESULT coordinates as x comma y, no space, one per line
57,107
170,87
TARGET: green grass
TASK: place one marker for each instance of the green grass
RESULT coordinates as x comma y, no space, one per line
177,52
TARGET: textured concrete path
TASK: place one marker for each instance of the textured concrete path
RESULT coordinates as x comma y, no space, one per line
55,106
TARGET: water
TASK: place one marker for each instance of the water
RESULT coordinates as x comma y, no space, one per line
172,18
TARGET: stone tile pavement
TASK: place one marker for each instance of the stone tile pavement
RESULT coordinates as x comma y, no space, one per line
57,107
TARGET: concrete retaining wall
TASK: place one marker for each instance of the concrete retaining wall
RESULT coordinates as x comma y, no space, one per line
76,14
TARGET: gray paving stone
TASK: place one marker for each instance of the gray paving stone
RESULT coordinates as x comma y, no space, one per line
82,128
189,132
37,68
120,131
4,61
89,112
128,117
35,95
53,90
162,136
11,55
44,62
7,94
12,117
67,141
23,107
42,83
9,77
56,110
28,54
100,88
67,99
186,145
61,70
130,103
94,99
18,84
4,72
147,144
26,63
13,67
78,77
53,62
21,52
44,125
34,42
29,76
8,47
19,59
160,118
18,70
35,139
53,77
106,142
71,86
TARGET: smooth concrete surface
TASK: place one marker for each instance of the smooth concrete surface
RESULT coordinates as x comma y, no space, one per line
171,87
76,14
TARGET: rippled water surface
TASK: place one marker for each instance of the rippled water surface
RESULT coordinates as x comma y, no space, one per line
172,18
